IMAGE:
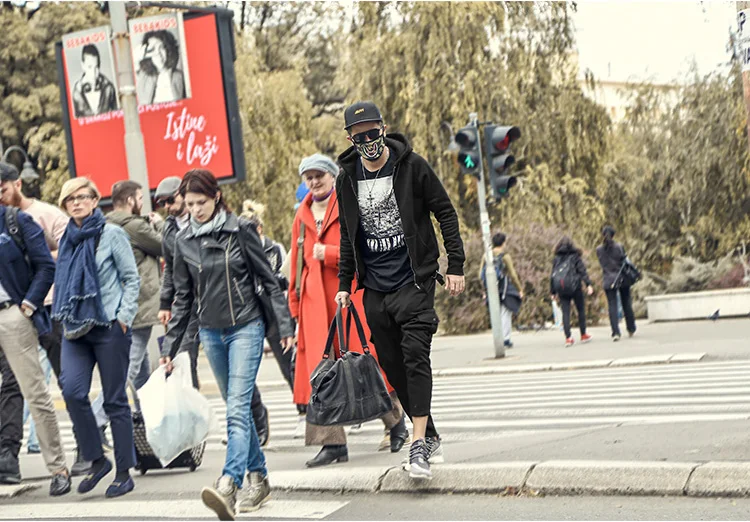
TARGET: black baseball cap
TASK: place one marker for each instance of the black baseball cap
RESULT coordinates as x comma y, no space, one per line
361,112
8,172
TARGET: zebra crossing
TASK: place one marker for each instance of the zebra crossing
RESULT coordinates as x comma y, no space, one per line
482,407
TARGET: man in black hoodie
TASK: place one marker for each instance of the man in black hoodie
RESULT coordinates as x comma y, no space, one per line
386,194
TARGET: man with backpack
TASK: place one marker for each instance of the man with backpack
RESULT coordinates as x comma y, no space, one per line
26,275
508,285
53,222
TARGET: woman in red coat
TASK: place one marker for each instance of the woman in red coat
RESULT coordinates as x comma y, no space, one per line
316,228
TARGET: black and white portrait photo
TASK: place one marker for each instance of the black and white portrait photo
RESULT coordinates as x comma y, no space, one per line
160,59
90,67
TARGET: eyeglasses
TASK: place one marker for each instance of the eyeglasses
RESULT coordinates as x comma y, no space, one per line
162,202
79,199
361,137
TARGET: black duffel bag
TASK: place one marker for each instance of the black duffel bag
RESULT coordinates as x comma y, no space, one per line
349,390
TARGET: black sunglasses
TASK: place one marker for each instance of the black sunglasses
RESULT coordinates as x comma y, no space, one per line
361,137
165,201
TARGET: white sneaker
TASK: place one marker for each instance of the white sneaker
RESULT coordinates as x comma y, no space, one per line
299,431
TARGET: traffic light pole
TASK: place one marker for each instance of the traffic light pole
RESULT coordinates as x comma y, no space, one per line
134,148
493,297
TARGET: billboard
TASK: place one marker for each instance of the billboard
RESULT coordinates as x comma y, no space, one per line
188,120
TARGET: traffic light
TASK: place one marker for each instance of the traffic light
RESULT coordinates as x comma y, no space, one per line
469,156
499,159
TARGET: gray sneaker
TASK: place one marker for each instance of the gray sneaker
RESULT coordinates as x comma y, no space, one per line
419,466
256,493
221,498
436,450
436,455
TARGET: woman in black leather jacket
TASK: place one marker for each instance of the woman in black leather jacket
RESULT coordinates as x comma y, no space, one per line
219,260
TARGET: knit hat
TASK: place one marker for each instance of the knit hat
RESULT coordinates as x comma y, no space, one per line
168,187
319,162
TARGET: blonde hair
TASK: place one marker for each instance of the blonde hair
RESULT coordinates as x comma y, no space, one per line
74,185
253,210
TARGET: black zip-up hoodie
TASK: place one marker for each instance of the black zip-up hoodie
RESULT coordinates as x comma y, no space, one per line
418,192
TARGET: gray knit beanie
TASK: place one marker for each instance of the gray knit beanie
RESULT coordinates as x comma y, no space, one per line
319,162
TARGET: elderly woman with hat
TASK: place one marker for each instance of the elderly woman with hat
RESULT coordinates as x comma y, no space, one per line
313,285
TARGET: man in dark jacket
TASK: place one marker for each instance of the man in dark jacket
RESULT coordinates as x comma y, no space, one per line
27,272
167,196
386,195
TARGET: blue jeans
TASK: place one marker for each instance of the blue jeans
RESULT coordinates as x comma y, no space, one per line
139,370
235,354
33,442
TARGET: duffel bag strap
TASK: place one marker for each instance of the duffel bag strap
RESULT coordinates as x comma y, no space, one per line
360,328
337,325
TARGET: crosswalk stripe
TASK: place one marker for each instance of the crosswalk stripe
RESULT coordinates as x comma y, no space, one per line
474,405
169,509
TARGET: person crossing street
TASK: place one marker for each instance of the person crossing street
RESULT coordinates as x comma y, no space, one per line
387,194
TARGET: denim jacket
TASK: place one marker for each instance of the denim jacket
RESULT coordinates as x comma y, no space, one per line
119,283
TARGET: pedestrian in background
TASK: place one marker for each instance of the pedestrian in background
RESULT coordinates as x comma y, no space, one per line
508,284
568,274
219,262
611,258
96,300
167,196
315,256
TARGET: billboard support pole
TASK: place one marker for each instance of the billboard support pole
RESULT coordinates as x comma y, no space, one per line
134,148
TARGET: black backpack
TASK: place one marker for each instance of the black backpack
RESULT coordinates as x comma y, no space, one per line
565,278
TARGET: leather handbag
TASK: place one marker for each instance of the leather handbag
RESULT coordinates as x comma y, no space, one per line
348,390
627,276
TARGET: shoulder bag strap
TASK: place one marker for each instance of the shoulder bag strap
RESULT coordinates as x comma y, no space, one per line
300,257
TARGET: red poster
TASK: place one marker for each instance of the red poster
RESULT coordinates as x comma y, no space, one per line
178,136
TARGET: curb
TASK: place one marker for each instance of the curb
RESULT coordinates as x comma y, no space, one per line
670,358
555,477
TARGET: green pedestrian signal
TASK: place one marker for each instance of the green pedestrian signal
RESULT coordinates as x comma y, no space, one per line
469,155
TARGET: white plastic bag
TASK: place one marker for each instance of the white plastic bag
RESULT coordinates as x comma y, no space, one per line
176,415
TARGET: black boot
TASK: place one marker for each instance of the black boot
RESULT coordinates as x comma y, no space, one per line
329,455
399,435
80,466
261,426
10,472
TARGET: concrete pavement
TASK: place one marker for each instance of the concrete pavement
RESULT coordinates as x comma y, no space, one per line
620,458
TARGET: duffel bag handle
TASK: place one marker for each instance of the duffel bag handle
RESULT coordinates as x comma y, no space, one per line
337,325
360,328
